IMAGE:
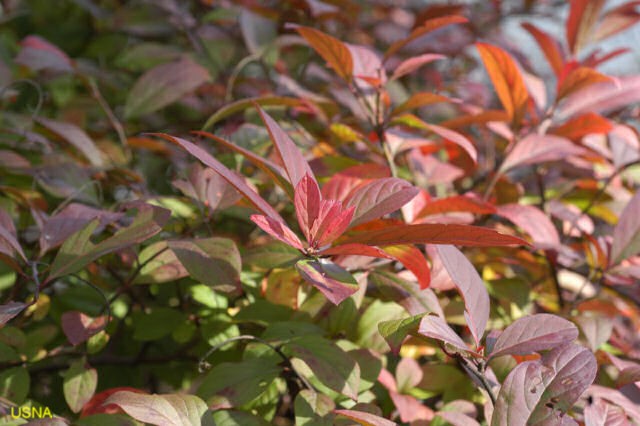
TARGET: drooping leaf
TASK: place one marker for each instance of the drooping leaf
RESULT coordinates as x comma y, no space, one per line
242,104
436,328
470,286
332,366
78,251
76,137
234,180
294,163
626,234
332,50
378,198
583,15
534,333
463,235
164,85
550,47
396,330
334,282
410,65
79,327
533,221
535,149
79,384
506,79
278,230
161,410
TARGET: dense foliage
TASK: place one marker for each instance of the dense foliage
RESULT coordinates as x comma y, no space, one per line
318,212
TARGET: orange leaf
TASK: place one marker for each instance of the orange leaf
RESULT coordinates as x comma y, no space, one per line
583,15
583,125
506,79
549,46
332,50
577,79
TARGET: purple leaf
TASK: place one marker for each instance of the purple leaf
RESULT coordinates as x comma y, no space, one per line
333,281
76,137
294,163
436,328
533,221
234,180
471,288
406,293
457,419
410,65
40,55
161,410
628,375
364,418
599,413
535,148
626,234
456,138
79,327
596,329
278,230
602,97
382,196
8,241
10,310
534,333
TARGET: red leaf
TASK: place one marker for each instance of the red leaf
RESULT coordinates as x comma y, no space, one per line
456,138
234,180
378,198
533,221
617,20
331,223
412,259
583,15
579,79
294,163
333,281
456,203
96,404
506,79
278,230
410,65
341,184
471,288
585,124
307,204
464,235
79,327
549,46
535,148
427,27
332,50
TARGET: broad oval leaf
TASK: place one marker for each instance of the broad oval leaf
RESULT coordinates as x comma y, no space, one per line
334,282
626,234
79,384
79,327
471,288
533,221
163,85
535,149
396,330
378,198
332,50
161,410
534,333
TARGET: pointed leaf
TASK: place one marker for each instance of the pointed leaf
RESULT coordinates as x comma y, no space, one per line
378,198
8,241
534,333
471,288
331,223
365,419
506,79
626,234
406,293
332,50
437,328
242,104
76,137
161,410
617,19
413,259
533,221
410,65
294,163
333,281
307,204
582,125
549,46
579,79
278,230
456,138
79,327
535,149
455,203
40,55
602,97
396,330
234,180
10,310
583,15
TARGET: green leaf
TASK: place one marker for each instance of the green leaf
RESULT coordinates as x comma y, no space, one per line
163,85
233,384
396,330
272,255
162,410
313,409
237,418
156,324
79,384
78,251
14,384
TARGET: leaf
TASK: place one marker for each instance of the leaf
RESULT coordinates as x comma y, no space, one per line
332,366
153,324
626,234
272,255
471,288
278,230
506,79
331,223
161,410
628,375
257,31
436,328
602,97
79,327
40,55
8,241
533,221
428,26
550,47
10,310
212,261
419,100
230,385
378,198
463,235
582,125
163,85
456,138
332,50
294,163
365,419
412,259
583,15
534,333
79,384
455,203
616,20
78,251
410,65
536,390
405,293
334,282
76,137
312,408
596,329
307,204
233,179
396,330
14,384
578,79
535,149
242,104
599,413
160,265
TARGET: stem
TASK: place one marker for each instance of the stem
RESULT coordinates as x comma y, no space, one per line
113,120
